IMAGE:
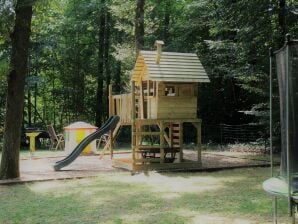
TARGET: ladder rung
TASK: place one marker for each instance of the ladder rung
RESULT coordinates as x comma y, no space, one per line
140,147
147,133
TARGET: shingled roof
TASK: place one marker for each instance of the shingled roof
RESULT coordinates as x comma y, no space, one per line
173,67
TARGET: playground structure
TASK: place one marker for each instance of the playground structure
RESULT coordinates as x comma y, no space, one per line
286,183
164,95
110,124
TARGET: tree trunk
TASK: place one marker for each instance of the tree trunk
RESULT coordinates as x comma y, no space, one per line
15,96
139,25
117,78
282,21
100,64
166,32
29,107
107,57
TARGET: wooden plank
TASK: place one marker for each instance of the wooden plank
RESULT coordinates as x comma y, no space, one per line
178,78
168,140
199,140
111,140
161,79
133,126
170,134
153,108
177,70
180,158
173,59
127,164
176,110
147,147
161,142
175,116
168,53
175,73
174,63
164,66
141,103
147,133
177,101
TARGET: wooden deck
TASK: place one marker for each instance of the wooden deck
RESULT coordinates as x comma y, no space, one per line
129,165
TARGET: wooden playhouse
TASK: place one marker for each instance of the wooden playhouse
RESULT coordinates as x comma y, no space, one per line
164,95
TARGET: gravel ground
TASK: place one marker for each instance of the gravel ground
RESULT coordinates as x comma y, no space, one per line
40,169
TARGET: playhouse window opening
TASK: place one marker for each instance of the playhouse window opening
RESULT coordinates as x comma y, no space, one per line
170,91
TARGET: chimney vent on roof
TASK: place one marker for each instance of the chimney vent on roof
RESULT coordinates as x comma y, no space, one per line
158,44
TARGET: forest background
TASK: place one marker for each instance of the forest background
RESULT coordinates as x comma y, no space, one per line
79,47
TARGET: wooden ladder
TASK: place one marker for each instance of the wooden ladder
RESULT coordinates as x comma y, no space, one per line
176,134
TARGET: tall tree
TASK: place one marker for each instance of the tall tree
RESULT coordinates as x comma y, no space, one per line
107,54
139,25
100,72
166,32
16,85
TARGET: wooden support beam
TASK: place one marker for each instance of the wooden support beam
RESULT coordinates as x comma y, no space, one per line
111,143
161,142
181,142
148,147
199,140
133,125
141,100
111,101
171,134
147,133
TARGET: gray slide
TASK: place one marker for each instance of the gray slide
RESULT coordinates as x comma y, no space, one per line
108,125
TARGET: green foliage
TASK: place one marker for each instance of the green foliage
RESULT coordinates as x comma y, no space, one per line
231,38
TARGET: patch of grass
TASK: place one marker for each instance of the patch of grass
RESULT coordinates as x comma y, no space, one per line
245,155
234,196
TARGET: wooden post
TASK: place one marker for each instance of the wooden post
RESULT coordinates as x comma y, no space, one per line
171,134
199,140
133,125
148,100
111,101
141,100
161,142
111,143
181,142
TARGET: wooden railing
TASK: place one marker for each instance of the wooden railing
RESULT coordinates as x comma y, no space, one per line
121,105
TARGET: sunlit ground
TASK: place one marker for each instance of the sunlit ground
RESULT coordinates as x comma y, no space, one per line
234,196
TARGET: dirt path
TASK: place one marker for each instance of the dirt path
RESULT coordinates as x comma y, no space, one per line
41,169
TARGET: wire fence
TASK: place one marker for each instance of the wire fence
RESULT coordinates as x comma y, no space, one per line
215,133
225,134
